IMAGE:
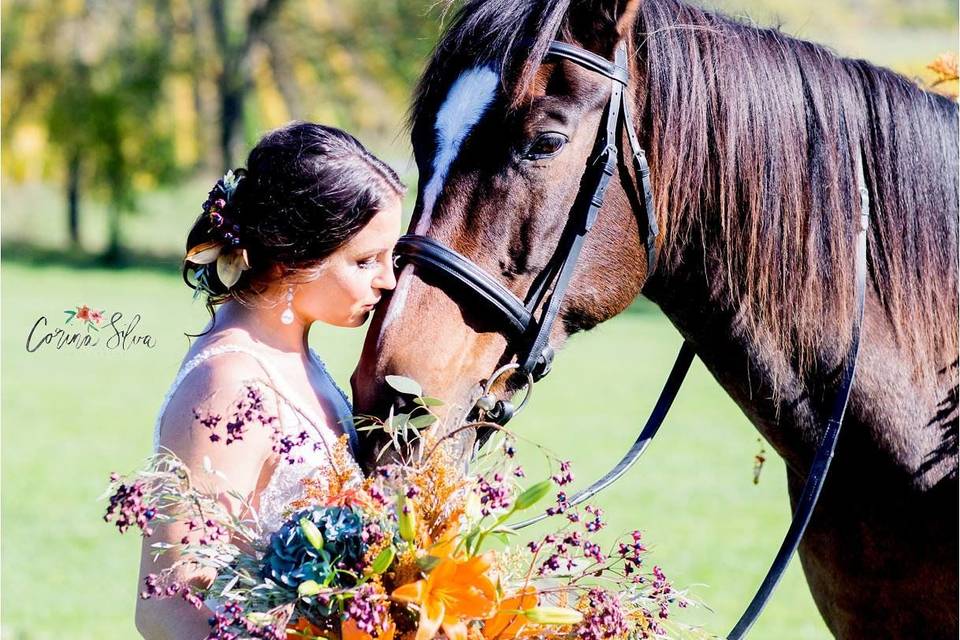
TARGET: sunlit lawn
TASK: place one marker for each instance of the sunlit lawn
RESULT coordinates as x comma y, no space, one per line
71,417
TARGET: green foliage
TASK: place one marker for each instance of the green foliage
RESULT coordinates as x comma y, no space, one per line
405,385
100,100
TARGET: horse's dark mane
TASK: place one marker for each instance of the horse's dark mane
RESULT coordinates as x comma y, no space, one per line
753,138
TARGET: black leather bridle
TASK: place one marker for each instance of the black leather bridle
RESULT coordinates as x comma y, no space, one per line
528,334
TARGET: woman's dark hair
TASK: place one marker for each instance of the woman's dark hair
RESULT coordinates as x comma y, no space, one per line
307,190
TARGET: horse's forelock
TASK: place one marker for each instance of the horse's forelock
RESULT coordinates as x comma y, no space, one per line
510,35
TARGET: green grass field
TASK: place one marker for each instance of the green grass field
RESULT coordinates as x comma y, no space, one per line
70,417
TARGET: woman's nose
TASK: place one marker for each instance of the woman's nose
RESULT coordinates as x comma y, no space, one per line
388,279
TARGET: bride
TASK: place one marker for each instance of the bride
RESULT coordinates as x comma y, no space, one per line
305,233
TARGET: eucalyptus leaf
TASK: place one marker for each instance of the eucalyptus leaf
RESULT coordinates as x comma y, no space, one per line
501,536
428,401
405,385
308,588
422,421
532,495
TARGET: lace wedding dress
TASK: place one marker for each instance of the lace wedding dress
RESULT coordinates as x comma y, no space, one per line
285,484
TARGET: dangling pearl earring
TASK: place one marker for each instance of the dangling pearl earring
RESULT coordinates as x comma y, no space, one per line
287,316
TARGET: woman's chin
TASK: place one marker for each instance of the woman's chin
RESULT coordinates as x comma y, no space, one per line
360,318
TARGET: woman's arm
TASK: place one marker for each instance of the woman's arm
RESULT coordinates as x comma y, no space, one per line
215,386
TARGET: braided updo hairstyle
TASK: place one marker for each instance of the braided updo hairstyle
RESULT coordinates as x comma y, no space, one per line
306,191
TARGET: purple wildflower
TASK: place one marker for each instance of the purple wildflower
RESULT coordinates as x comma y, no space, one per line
248,409
565,476
604,618
127,508
592,550
230,624
596,524
372,534
367,610
494,496
562,504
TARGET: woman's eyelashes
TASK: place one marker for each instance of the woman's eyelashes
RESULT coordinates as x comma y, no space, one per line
375,260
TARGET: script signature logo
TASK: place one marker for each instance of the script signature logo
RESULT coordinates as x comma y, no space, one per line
85,328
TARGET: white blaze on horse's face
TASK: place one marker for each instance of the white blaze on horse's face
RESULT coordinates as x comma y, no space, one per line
468,99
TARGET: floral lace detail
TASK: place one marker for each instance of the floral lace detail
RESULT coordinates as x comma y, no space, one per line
285,484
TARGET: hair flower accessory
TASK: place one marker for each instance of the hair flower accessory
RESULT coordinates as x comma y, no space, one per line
225,249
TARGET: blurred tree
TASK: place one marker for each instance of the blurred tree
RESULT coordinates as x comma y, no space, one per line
96,83
234,47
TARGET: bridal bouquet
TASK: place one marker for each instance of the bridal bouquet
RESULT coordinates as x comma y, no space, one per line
421,549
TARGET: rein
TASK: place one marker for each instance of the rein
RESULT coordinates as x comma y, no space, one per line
529,334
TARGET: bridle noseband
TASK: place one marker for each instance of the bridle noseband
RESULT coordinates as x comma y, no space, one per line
528,335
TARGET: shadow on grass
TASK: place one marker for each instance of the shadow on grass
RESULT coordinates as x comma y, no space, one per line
27,254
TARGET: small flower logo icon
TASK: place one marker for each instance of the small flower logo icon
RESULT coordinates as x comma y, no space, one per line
91,318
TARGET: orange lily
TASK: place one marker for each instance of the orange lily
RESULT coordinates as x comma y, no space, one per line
350,631
303,629
507,622
454,592
445,547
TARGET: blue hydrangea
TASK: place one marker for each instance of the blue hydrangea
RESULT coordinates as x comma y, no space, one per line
291,559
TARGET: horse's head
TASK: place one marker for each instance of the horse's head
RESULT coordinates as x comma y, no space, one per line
503,138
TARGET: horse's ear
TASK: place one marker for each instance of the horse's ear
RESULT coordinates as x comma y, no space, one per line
601,24
627,17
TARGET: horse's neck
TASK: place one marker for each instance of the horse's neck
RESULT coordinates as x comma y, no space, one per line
784,405
900,427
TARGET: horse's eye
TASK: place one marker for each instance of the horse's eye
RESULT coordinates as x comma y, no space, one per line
546,145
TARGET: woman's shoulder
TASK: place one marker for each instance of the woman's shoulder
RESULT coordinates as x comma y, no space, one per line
215,385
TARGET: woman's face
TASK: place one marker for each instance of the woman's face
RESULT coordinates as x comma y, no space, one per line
354,276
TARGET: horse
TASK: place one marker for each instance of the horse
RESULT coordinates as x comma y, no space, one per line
754,142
